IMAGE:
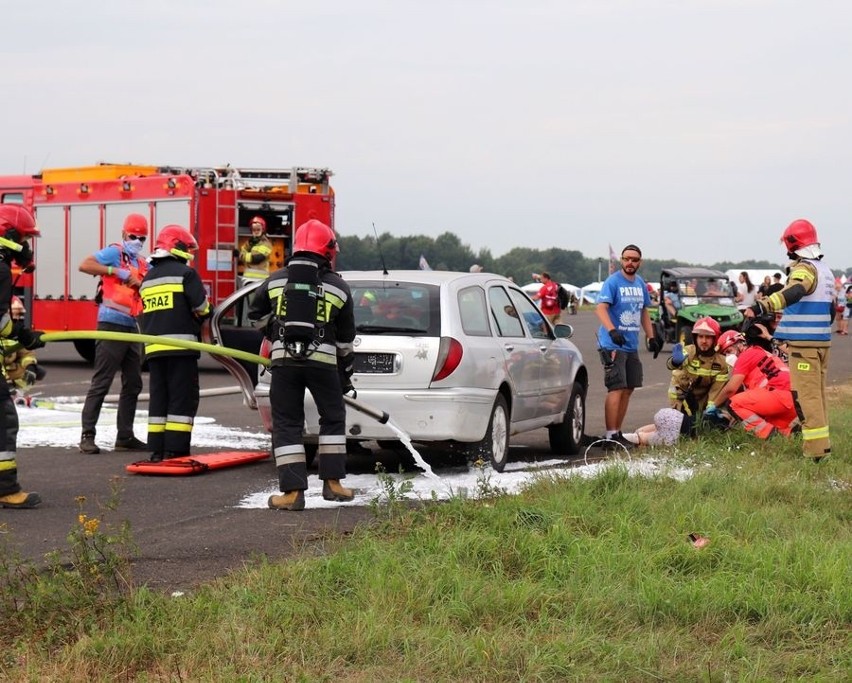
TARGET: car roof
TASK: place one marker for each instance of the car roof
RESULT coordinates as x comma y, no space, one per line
429,277
686,272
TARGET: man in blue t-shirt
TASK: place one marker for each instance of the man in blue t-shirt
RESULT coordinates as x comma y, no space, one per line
622,308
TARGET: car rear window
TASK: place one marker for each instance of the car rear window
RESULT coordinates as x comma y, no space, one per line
396,307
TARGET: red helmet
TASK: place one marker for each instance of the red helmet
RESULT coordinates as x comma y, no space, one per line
176,241
258,219
706,326
17,223
799,234
728,339
317,237
136,224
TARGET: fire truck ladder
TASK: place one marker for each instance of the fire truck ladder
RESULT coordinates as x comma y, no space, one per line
224,281
268,179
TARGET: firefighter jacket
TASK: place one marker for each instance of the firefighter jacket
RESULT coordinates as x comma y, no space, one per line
15,365
806,322
697,381
255,254
118,295
174,302
334,324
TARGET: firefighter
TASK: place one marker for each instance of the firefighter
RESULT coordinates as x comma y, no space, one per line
765,405
17,226
256,250
21,365
121,269
174,303
699,371
807,304
307,312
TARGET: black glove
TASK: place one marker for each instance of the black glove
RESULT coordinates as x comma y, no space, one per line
24,257
39,371
655,344
30,376
30,339
235,253
617,338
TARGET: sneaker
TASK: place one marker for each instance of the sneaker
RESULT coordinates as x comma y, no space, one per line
332,489
616,442
21,500
155,457
87,443
289,500
130,444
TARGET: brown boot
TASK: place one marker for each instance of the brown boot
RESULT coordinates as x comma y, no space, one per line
289,500
21,500
332,489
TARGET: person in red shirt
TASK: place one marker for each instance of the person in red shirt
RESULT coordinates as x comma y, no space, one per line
766,404
548,295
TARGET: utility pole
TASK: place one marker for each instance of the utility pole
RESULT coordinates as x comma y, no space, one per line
600,261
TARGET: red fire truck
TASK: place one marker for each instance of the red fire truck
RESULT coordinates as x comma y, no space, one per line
81,210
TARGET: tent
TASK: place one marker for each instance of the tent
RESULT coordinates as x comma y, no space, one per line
533,287
589,293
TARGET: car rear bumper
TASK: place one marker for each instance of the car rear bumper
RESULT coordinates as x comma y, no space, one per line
429,415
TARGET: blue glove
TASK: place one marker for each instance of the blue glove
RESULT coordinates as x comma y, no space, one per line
677,354
713,411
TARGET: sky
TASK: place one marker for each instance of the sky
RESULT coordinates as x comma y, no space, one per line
697,129
55,422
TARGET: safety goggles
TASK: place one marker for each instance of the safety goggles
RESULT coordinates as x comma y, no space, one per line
137,238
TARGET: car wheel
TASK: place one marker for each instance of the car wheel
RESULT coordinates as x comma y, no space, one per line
566,437
86,349
496,441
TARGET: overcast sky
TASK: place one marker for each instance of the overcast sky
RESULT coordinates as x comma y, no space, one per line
697,129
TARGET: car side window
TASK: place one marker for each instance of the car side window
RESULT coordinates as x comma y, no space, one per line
505,313
474,316
531,316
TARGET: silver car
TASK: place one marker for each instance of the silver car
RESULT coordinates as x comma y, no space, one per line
459,359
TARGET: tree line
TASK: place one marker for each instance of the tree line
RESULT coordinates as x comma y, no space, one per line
446,252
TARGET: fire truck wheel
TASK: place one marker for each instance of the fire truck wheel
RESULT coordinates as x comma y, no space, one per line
86,349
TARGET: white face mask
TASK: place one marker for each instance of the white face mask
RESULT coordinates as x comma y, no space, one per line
133,247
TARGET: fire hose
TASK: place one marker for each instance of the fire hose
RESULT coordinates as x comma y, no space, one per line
214,349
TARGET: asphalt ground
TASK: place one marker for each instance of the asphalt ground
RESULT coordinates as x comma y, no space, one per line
189,530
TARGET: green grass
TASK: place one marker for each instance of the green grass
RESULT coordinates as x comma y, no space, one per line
575,579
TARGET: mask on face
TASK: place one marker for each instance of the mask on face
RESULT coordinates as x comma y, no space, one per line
133,247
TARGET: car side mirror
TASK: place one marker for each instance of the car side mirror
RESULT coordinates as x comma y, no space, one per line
563,331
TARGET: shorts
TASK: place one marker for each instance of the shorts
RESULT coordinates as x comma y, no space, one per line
622,369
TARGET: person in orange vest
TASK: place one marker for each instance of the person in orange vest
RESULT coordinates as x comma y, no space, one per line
121,269
256,250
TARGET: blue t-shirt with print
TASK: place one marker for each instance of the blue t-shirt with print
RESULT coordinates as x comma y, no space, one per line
626,300
111,256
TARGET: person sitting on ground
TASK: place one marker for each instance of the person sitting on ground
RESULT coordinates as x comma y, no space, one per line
766,406
699,371
668,426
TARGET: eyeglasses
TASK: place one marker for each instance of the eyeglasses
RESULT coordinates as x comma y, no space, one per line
631,259
136,238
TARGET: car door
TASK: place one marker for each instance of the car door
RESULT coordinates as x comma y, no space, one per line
554,358
522,354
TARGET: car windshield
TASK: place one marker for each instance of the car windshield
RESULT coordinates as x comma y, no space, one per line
402,307
706,290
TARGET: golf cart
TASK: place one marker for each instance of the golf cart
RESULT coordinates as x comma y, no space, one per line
693,293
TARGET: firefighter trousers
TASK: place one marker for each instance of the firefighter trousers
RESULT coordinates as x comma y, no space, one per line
763,410
8,443
287,398
808,369
173,382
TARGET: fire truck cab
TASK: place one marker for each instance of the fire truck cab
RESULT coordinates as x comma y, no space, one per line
81,210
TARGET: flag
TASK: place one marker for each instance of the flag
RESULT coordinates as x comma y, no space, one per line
424,264
613,260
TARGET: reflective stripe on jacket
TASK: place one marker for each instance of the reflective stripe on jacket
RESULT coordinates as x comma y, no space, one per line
809,319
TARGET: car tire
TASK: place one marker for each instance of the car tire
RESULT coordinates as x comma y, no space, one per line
495,445
86,349
567,436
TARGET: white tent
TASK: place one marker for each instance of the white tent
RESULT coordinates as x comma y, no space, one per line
533,287
589,293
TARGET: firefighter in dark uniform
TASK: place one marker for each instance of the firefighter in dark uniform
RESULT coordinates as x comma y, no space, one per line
699,371
307,312
807,301
17,225
174,304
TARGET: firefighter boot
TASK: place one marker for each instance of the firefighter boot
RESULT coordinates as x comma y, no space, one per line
289,500
87,443
332,489
21,500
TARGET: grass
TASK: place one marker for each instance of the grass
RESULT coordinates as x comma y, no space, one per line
575,579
